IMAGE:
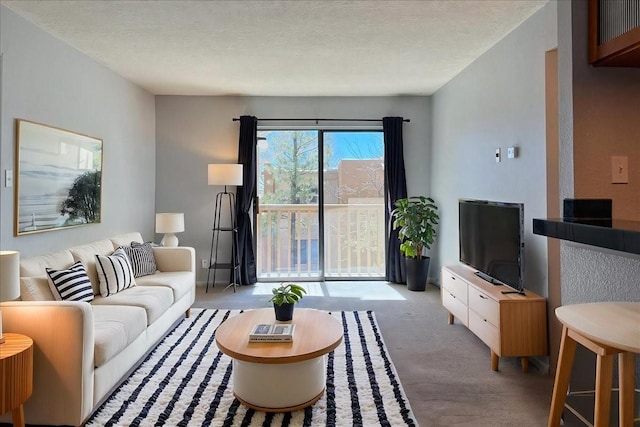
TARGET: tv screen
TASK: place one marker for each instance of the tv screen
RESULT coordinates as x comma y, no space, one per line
492,240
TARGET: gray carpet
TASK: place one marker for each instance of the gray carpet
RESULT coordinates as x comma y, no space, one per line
444,369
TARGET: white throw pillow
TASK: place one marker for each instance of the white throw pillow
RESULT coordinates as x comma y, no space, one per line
71,284
114,272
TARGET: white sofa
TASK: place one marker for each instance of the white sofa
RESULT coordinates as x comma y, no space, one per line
82,350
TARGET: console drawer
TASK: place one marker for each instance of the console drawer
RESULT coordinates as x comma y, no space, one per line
484,330
486,307
455,306
456,286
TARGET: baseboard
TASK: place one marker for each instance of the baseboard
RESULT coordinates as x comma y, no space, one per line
541,364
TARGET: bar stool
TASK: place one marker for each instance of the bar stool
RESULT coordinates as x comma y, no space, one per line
607,329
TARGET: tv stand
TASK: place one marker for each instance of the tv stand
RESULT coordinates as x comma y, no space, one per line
510,323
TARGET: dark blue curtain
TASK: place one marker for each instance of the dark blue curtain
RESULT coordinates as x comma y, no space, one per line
244,198
396,189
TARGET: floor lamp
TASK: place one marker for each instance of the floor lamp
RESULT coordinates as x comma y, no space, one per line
224,174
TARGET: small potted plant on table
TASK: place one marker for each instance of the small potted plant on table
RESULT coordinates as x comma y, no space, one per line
284,298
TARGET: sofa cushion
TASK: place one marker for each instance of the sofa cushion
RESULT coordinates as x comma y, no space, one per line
126,239
154,299
180,282
87,254
114,272
70,284
34,266
142,259
35,289
115,327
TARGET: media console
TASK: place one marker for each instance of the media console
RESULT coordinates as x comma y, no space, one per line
511,324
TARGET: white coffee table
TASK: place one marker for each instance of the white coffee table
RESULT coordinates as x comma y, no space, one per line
279,377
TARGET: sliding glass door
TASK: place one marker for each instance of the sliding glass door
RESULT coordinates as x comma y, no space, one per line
315,222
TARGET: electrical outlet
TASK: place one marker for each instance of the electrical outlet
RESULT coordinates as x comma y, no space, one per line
204,263
619,170
498,158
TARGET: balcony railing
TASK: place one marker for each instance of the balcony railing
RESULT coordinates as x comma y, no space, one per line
288,243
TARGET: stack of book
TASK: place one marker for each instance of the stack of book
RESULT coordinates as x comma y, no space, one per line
274,332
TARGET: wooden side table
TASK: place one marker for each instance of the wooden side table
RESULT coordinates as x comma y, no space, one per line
16,375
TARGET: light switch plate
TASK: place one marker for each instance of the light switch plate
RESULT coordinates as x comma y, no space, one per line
619,170
8,178
498,155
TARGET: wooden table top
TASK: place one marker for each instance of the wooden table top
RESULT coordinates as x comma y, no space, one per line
316,333
14,344
616,324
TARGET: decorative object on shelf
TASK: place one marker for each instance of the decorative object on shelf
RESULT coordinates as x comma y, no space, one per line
9,279
169,223
284,298
60,169
224,174
416,217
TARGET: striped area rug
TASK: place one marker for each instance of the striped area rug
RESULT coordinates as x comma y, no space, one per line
186,381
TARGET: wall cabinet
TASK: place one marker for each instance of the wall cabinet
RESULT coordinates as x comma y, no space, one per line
510,324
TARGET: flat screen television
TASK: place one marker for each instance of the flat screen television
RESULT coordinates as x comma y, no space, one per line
491,236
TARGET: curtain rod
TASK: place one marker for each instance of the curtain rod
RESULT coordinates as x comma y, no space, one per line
235,119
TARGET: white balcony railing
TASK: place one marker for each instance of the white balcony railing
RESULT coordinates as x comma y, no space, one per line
288,241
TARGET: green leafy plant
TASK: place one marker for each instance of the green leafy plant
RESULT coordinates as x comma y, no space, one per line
415,217
287,293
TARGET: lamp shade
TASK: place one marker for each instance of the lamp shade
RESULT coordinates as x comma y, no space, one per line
169,222
225,174
9,275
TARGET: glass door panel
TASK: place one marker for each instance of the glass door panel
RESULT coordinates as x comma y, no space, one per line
287,222
353,190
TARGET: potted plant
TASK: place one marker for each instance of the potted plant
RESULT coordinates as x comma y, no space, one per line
284,298
416,217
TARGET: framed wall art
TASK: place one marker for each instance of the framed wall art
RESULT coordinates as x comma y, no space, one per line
59,178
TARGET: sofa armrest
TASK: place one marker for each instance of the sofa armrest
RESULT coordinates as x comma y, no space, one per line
63,337
180,258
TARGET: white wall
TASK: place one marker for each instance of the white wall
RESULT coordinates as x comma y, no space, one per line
47,81
496,102
195,131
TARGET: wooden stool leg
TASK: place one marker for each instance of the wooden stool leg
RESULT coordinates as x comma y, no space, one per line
450,318
524,364
604,374
626,374
561,382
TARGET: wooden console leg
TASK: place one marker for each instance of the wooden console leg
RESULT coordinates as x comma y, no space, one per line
450,319
561,382
524,364
494,361
188,312
18,416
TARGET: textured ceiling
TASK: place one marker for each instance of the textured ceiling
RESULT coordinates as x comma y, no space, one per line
282,48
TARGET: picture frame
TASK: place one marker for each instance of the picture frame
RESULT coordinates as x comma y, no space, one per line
58,178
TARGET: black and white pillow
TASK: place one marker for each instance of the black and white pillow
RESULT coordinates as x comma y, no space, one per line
71,284
142,259
114,272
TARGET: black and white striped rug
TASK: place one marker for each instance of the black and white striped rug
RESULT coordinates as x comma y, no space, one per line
186,381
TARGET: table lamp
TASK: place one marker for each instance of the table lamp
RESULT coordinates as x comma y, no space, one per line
9,279
169,223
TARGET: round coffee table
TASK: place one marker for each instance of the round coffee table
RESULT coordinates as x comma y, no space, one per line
279,377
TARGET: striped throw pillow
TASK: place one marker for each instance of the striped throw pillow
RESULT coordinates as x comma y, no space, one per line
114,272
71,284
142,259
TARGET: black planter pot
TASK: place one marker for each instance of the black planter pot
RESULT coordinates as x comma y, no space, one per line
417,273
284,312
